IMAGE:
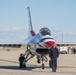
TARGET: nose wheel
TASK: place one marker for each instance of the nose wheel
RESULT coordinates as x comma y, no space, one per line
43,66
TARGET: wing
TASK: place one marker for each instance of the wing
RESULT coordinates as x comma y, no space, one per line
33,40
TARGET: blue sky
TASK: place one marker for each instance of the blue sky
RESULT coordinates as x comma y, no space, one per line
57,15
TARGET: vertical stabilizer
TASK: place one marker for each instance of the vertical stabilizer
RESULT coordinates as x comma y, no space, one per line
32,33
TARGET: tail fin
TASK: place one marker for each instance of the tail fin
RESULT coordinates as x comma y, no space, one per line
32,33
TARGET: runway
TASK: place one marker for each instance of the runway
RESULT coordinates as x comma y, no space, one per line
9,65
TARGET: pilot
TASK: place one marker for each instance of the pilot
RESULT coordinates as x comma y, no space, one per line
21,61
54,54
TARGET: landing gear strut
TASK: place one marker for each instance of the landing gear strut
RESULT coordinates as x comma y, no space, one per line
28,56
50,63
43,66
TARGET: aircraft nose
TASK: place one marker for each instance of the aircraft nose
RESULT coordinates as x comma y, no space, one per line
49,44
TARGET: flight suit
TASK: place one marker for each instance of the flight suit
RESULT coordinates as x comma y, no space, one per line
53,54
21,61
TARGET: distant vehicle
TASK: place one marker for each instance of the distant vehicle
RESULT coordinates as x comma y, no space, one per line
63,50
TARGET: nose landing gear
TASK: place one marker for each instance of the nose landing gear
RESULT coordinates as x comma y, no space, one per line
43,66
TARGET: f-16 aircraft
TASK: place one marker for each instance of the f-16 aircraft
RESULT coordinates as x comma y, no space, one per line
38,44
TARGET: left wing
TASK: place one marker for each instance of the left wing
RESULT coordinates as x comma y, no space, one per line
33,40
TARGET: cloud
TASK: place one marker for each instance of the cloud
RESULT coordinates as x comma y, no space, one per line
69,37
12,29
12,35
18,34
63,33
17,31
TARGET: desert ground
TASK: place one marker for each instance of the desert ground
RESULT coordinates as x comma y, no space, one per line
9,64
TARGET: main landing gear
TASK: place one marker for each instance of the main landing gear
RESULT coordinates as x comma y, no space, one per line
28,56
43,65
41,59
50,63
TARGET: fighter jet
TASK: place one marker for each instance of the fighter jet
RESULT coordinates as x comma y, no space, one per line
38,44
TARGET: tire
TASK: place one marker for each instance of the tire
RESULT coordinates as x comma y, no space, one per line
43,66
38,61
24,66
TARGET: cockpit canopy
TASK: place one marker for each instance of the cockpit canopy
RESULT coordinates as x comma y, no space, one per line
45,31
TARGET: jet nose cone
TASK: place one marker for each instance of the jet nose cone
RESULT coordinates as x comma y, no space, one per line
49,44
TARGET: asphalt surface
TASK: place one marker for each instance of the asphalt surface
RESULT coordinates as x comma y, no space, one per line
9,65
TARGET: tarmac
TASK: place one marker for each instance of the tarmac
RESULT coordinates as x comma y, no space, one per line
9,64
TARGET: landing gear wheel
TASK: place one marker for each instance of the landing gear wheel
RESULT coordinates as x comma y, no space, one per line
38,61
24,66
43,66
50,65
